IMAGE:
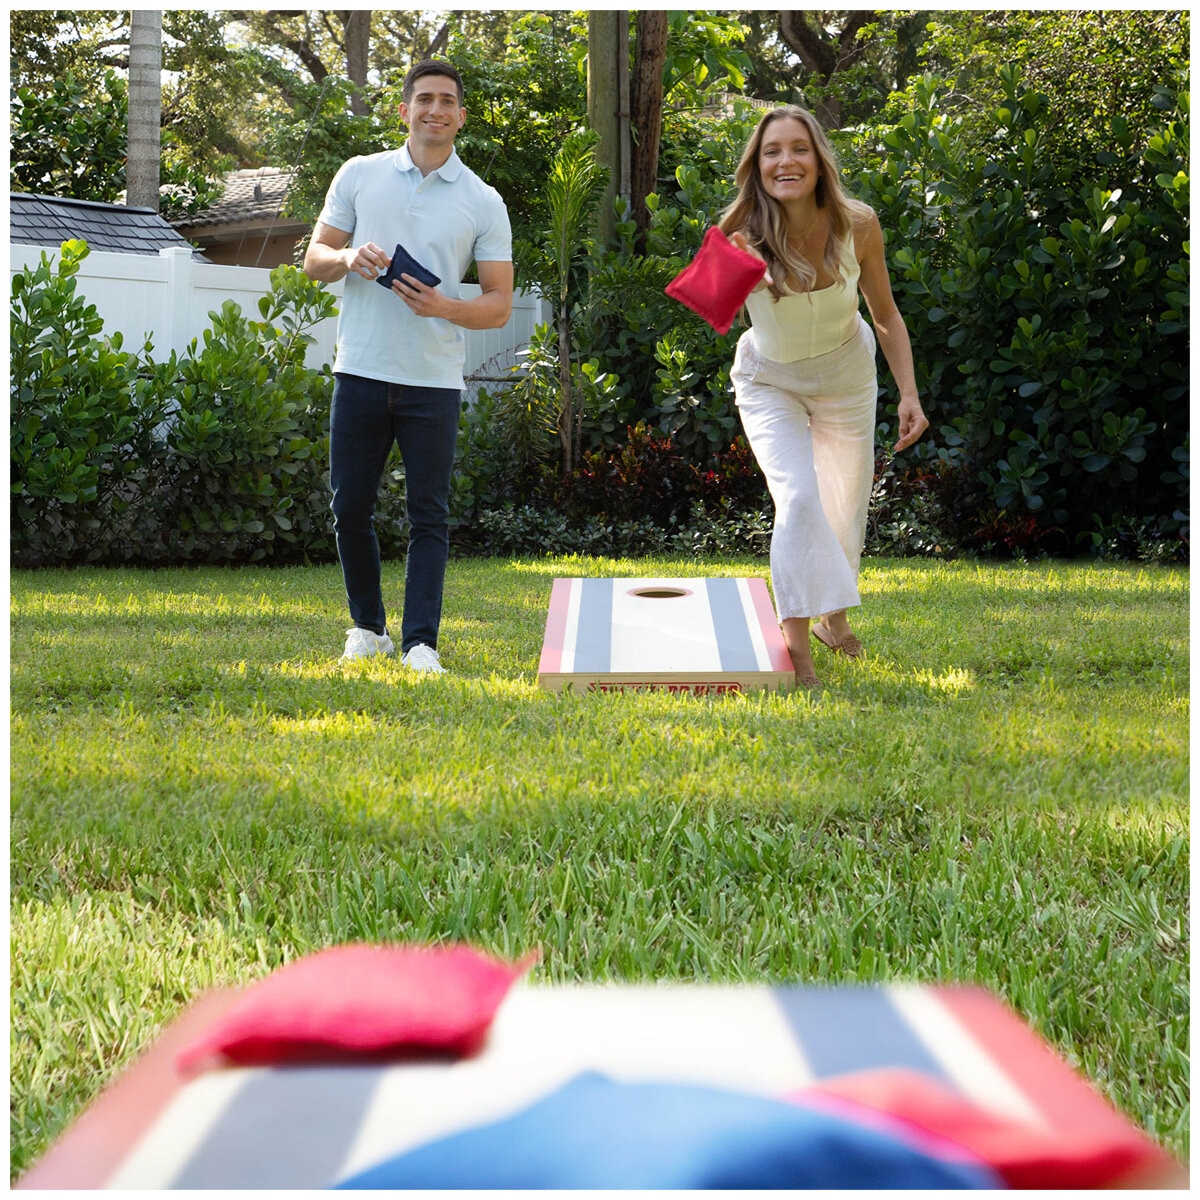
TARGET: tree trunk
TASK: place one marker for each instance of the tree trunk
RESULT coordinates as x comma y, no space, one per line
824,55
144,122
649,58
608,41
357,23
566,414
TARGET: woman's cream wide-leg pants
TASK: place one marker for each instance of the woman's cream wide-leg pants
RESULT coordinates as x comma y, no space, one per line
811,425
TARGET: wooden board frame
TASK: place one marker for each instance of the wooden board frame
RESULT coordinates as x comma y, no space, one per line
704,636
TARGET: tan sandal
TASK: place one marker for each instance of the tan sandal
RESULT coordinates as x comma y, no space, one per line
849,645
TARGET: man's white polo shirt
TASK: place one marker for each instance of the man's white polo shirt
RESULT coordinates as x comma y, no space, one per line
444,220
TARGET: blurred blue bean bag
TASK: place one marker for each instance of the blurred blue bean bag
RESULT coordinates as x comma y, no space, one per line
597,1133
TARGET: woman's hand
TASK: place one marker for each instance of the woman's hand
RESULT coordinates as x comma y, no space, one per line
913,422
739,240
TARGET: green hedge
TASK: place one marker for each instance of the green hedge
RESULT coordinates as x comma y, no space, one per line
216,455
1049,316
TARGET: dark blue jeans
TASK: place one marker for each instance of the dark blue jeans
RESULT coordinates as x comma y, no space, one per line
366,418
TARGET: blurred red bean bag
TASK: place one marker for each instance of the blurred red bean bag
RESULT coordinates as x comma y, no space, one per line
717,281
1024,1155
359,1000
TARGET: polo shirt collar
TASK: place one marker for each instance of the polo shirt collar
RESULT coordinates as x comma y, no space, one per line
449,170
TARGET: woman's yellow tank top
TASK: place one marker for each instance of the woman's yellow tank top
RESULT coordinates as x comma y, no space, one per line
805,324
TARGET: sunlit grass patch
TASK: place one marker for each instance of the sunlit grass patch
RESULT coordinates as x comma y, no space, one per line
997,793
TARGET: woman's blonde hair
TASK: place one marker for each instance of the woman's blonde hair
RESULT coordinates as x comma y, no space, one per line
762,218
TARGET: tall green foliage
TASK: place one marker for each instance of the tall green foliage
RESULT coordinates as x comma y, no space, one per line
1037,219
81,421
214,455
318,132
236,445
1098,69
69,140
69,102
1048,314
522,101
573,190
672,370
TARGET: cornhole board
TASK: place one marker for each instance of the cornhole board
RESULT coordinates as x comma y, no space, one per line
679,635
312,1126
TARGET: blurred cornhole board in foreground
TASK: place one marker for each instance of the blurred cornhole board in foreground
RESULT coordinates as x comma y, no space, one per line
681,635
313,1125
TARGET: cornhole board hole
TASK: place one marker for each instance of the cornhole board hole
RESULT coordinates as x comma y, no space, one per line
680,635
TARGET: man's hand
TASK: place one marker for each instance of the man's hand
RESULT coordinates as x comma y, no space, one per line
913,422
367,260
423,301
330,257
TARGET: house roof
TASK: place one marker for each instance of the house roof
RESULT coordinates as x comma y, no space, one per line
51,220
251,197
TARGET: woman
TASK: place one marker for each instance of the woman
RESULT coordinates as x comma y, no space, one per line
804,373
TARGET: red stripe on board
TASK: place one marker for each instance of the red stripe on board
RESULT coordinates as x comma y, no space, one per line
556,627
1064,1097
768,622
95,1146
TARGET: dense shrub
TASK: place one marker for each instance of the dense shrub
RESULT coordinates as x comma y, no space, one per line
234,444
1049,324
672,370
523,530
1048,316
67,138
659,431
83,424
215,455
646,476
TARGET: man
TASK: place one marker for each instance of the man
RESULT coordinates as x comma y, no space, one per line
398,370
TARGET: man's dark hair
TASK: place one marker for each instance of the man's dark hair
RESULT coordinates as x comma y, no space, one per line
431,66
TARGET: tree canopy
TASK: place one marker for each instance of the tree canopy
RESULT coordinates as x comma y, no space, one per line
245,88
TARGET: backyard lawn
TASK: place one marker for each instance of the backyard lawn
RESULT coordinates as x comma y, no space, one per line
998,794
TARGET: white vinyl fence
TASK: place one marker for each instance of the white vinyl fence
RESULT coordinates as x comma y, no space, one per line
168,298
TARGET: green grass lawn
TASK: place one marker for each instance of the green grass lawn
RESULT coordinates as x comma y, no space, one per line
997,794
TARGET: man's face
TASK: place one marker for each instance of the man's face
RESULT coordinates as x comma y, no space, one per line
433,115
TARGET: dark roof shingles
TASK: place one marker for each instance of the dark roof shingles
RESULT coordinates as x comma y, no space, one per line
248,195
50,221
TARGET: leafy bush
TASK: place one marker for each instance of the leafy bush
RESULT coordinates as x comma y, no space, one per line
508,443
82,423
513,145
645,477
67,143
216,455
68,139
672,370
1049,314
526,531
1049,320
721,529
235,446
914,510
658,427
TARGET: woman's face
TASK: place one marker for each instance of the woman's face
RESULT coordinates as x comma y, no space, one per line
787,160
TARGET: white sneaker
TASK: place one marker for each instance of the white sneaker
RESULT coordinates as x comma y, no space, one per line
423,658
362,643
